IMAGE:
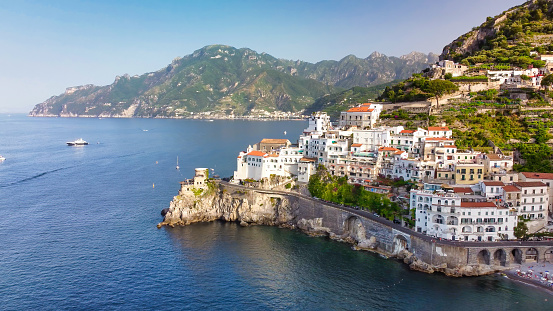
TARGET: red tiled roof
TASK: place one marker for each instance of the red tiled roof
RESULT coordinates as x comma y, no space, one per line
387,149
438,138
493,183
399,152
257,153
438,128
357,145
477,204
530,184
510,188
366,104
406,132
538,175
309,160
360,109
450,146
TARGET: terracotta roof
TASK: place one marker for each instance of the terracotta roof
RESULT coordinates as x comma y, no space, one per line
462,190
530,184
493,157
360,109
399,152
450,146
357,145
387,149
510,188
493,183
477,204
257,153
274,141
406,132
538,175
309,160
438,138
366,104
438,128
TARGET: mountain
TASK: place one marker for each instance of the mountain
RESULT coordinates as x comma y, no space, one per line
226,80
508,38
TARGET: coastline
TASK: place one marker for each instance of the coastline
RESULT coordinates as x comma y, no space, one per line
202,118
515,274
361,229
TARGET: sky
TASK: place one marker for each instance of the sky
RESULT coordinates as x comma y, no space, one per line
46,46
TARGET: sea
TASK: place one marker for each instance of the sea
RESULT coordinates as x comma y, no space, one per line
78,231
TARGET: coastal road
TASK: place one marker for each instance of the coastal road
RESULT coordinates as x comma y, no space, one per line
384,221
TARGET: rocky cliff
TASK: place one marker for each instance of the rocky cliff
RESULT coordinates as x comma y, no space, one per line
236,204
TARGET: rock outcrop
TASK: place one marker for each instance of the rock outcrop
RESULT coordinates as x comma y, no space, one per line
237,204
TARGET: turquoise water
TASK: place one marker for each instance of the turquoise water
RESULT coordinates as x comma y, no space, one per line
77,231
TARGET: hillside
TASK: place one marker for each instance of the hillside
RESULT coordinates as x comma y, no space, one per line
507,38
227,81
335,103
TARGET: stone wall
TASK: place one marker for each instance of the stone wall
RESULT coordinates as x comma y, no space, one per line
360,228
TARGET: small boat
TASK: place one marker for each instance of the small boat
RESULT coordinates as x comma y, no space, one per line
78,142
178,162
2,158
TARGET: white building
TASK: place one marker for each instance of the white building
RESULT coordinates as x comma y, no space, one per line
363,116
446,215
546,178
257,165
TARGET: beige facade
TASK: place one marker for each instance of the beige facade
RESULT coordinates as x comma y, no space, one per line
469,174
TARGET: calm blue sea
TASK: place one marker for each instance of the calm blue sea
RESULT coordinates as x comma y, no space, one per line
78,231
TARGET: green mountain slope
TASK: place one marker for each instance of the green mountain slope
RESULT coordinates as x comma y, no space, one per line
225,80
507,38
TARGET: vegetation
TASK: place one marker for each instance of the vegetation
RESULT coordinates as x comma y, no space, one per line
509,132
521,229
335,103
439,88
226,80
338,190
525,29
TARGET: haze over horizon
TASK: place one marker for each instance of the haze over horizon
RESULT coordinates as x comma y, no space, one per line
49,46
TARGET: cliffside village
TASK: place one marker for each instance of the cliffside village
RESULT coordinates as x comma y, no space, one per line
505,79
461,194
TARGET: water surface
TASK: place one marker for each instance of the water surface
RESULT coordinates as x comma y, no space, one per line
77,231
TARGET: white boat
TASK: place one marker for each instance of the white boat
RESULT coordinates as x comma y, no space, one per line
2,158
78,142
178,162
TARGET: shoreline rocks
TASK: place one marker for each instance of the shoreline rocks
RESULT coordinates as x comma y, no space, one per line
253,208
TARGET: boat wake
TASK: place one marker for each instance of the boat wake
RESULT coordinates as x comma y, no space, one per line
34,177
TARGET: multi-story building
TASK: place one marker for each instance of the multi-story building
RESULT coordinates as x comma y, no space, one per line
450,215
546,178
439,131
364,116
254,164
468,173
534,200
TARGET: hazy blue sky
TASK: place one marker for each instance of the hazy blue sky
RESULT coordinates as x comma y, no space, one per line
49,45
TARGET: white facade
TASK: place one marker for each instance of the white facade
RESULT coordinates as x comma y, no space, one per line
445,215
257,165
363,116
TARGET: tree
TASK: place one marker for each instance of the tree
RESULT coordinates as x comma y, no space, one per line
521,229
438,88
547,80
